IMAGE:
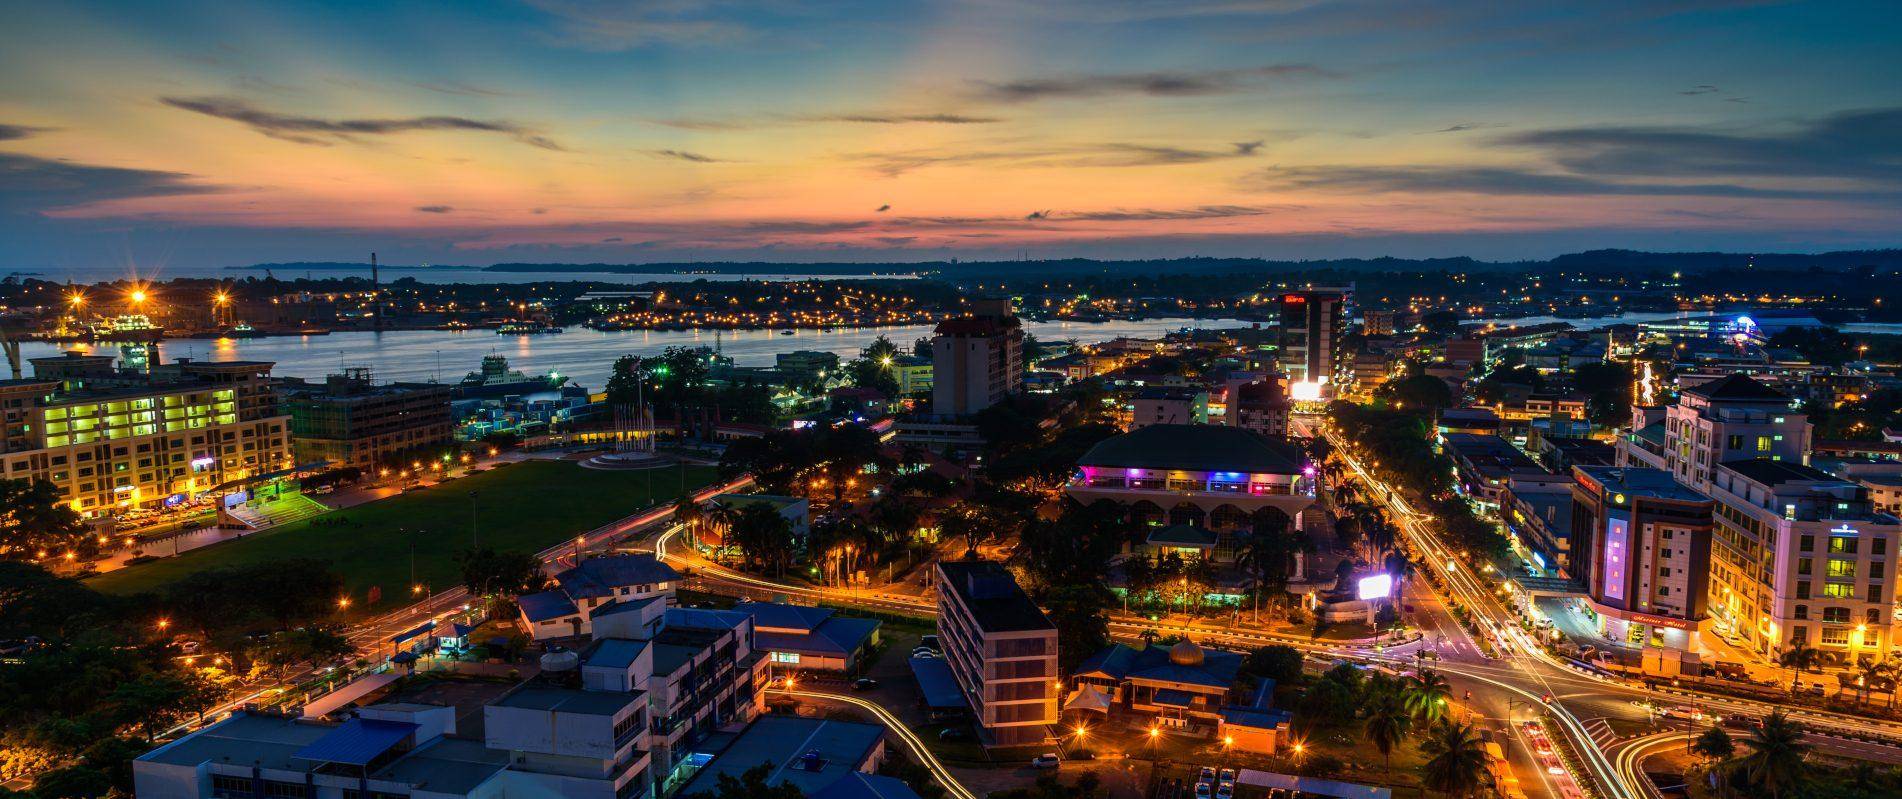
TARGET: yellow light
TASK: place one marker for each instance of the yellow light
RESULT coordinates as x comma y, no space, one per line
1153,732
221,298
138,295
164,623
1298,748
1228,740
343,602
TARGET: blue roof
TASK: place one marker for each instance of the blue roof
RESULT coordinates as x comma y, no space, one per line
849,632
860,785
1120,662
613,653
792,617
546,605
598,577
783,741
704,618
938,684
357,741
413,632
625,606
1255,718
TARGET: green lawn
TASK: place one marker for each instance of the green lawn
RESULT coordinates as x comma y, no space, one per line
526,506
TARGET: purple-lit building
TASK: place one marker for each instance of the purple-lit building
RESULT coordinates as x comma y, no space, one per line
1208,477
1647,540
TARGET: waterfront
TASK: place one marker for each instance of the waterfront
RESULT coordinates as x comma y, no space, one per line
584,355
432,274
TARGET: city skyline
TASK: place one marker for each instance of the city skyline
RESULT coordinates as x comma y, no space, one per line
201,135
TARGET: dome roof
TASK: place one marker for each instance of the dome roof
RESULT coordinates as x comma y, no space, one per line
1185,653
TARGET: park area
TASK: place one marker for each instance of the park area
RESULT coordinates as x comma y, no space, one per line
525,507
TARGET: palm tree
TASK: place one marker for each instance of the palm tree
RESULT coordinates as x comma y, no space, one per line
1426,696
1716,745
689,513
1387,724
1776,754
1799,657
723,517
1455,760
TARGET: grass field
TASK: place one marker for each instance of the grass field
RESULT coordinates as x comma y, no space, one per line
526,506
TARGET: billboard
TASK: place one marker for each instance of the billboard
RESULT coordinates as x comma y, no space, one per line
1377,586
1617,557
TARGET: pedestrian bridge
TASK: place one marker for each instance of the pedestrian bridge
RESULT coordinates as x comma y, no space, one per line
1550,586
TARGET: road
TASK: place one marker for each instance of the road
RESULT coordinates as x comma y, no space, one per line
1573,696
898,729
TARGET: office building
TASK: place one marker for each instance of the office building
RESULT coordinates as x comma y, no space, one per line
608,585
1801,556
914,375
1168,405
800,638
977,360
627,718
112,440
1259,403
1732,418
351,421
1648,540
1312,323
1001,648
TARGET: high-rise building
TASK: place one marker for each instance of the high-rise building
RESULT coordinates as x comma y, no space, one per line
977,359
1801,556
351,421
1257,402
1002,649
1644,540
113,439
1732,418
1312,323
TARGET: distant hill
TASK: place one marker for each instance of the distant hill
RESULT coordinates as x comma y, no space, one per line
1606,261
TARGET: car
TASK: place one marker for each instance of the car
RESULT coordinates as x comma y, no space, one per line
1227,775
1556,771
1208,775
1225,791
955,734
929,642
1046,760
922,651
1202,791
864,684
924,655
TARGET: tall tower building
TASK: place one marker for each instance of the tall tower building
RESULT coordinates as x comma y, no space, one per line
1312,323
977,360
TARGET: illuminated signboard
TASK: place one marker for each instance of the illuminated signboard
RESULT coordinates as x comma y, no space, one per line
1617,547
1378,586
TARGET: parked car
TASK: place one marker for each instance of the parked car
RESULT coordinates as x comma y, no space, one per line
1046,760
864,684
1203,791
1227,775
1207,775
1225,791
929,642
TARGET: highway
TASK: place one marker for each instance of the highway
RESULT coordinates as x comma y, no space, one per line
1521,665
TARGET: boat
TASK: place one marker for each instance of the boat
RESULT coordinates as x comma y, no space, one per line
527,328
496,379
786,332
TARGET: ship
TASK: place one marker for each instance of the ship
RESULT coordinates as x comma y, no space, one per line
496,379
529,328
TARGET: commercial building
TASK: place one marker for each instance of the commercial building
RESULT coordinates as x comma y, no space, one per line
823,758
1733,418
626,719
1259,403
1801,556
1182,688
597,586
977,360
1486,464
914,375
1169,405
1001,648
1312,324
799,638
111,439
1211,477
1649,542
351,421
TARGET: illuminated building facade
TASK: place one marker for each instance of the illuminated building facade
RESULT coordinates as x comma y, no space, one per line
977,360
1312,324
113,439
1802,556
1733,418
350,421
1649,542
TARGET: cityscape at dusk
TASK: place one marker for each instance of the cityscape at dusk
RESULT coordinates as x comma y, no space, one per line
693,399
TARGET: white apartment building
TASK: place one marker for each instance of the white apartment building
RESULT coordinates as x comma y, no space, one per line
1734,418
1001,648
1800,555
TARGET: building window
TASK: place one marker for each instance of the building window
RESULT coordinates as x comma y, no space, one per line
229,787
1842,544
1808,543
1836,615
1835,636
1802,611
1838,590
1873,616
1803,565
1875,593
786,657
1803,590
1842,569
1878,546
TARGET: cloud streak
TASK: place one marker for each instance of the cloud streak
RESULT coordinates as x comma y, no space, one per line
33,185
1105,154
434,209
320,131
685,155
1182,83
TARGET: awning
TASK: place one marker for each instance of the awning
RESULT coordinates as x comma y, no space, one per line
1173,698
1088,697
269,476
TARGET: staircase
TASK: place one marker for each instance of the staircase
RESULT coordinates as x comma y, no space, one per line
282,510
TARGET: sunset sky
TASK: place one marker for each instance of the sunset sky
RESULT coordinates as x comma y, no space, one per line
206,134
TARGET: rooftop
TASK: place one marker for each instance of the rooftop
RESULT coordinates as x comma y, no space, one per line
810,753
598,577
997,603
1196,447
1737,387
569,700
1775,473
1640,482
